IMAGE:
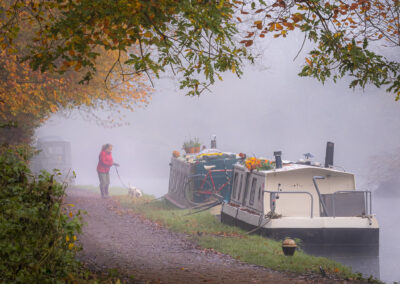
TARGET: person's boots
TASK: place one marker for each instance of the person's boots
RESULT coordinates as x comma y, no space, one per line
102,190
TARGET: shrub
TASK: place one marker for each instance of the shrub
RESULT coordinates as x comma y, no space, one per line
37,233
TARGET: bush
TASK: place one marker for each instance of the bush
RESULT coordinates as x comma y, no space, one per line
37,232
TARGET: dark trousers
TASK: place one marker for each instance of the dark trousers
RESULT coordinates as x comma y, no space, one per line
104,179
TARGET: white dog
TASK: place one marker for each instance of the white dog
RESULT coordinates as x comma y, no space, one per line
134,192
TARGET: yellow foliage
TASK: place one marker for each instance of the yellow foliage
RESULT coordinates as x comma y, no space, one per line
33,95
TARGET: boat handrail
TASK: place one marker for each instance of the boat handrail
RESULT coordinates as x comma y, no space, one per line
367,193
301,192
321,202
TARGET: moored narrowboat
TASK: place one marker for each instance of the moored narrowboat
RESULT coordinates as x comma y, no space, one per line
318,205
200,178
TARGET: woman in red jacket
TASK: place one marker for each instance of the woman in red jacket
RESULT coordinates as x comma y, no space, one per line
103,168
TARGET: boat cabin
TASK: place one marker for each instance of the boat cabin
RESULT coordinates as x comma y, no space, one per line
298,190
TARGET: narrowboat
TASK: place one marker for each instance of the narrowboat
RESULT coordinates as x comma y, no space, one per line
304,200
200,178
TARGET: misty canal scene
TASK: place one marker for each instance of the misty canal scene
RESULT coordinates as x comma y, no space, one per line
199,141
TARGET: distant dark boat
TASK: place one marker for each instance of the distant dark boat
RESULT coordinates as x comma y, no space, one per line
54,153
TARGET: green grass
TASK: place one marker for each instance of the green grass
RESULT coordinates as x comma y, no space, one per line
209,233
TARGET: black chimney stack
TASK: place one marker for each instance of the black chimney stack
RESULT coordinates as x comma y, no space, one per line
329,154
278,159
214,142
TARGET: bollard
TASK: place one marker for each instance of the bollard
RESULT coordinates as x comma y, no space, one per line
289,247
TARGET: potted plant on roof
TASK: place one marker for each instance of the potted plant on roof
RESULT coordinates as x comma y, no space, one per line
253,163
196,145
186,146
192,146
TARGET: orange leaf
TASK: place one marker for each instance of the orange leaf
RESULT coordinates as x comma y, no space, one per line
249,43
250,35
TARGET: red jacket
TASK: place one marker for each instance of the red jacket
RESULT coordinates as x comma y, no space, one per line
105,162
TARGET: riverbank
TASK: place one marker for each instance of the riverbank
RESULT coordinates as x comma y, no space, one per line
141,251
149,241
208,233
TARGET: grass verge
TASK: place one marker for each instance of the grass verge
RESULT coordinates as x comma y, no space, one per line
209,233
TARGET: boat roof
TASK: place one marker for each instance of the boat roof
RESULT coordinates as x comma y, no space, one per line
292,166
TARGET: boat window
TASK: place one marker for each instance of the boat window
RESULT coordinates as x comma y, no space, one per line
253,191
240,187
235,185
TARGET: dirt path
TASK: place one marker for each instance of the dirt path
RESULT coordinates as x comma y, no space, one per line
152,254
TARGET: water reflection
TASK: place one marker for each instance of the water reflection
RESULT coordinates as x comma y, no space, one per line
363,259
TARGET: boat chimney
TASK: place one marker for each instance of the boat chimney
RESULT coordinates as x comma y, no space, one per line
213,142
278,159
329,154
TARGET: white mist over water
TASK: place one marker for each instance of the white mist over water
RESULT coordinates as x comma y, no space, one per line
267,110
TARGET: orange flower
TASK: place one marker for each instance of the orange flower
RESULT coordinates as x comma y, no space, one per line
254,163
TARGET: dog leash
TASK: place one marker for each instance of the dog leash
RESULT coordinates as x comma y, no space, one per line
119,177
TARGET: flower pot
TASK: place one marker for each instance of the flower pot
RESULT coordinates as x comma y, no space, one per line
288,251
192,150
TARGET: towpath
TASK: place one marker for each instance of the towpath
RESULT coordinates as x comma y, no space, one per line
114,238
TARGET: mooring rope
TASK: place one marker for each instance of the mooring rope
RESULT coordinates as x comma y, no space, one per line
259,223
204,209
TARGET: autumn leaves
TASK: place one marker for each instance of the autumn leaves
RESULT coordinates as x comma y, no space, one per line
340,31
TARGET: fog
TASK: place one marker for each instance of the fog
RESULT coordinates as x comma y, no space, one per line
270,108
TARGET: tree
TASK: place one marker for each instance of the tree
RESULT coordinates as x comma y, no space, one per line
69,41
27,98
195,39
345,33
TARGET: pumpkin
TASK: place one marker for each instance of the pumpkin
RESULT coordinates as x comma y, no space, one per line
176,154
